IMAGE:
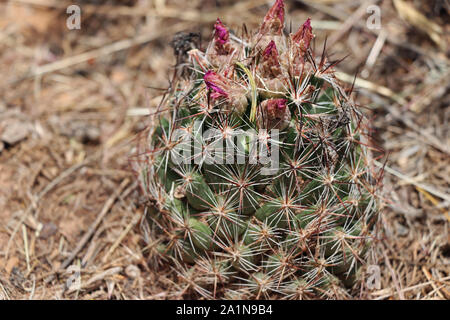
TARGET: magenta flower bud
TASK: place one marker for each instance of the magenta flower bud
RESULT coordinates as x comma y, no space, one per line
270,51
215,85
270,54
221,87
304,36
275,114
221,34
276,107
270,67
281,104
274,19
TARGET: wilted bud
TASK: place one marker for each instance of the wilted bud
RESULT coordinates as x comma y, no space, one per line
274,20
302,38
270,63
223,88
216,84
221,34
274,114
221,51
221,37
272,79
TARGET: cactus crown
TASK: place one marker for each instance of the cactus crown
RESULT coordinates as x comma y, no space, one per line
257,168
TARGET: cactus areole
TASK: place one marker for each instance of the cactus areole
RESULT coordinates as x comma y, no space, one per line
257,171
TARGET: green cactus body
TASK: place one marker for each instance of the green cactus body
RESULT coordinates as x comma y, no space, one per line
275,181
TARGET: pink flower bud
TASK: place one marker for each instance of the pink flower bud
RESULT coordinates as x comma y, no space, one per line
221,87
274,20
221,34
275,114
276,107
270,62
304,36
215,84
271,51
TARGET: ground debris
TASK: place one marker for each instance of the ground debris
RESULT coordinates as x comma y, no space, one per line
13,131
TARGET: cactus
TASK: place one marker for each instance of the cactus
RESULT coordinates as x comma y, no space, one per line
258,171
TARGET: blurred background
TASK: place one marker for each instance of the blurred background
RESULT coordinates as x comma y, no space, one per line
74,92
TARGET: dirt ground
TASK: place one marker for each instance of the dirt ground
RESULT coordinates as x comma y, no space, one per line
72,102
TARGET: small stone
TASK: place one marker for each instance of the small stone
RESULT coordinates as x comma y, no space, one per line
132,271
14,132
16,278
83,132
11,263
402,231
48,229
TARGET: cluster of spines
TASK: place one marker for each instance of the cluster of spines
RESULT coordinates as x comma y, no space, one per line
230,230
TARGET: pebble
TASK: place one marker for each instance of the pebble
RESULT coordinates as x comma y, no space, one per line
132,271
14,131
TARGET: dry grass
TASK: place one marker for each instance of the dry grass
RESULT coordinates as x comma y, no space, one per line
67,197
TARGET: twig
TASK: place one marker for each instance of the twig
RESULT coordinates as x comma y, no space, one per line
5,293
103,51
435,202
417,286
108,204
429,138
33,288
165,12
130,226
349,23
421,22
138,40
394,276
386,92
411,181
98,277
25,244
375,51
343,15
41,194
433,284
